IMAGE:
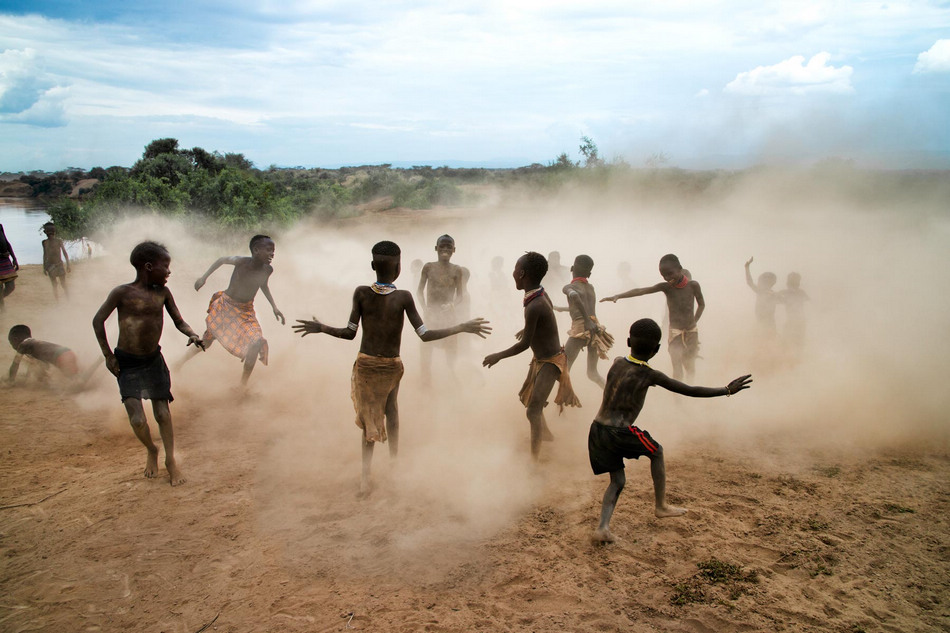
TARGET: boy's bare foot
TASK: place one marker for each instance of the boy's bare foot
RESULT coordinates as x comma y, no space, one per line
174,475
366,488
151,465
599,537
670,511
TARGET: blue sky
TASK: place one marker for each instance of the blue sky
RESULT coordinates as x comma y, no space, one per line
704,83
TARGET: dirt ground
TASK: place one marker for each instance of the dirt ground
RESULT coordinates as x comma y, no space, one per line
463,533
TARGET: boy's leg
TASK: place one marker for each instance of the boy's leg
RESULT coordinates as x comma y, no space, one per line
543,384
164,418
677,352
250,359
8,287
133,406
62,282
658,471
365,485
392,421
617,480
572,348
52,281
592,372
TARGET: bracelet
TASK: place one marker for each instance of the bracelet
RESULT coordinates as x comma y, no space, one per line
728,392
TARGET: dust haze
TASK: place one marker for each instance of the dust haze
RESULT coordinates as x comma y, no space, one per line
870,376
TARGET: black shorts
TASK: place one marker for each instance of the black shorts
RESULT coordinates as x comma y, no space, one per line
144,377
609,445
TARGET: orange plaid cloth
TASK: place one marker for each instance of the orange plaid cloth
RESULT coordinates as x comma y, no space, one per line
234,325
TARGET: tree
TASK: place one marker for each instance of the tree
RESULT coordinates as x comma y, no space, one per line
589,151
161,146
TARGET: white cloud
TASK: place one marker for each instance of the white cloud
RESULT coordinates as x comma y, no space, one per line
794,76
935,60
27,95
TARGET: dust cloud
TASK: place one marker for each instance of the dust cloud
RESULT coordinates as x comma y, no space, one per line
871,374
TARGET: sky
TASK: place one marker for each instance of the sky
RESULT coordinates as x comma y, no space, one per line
699,85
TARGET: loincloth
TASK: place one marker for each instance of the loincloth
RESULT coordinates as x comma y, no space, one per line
8,271
687,339
600,341
234,325
143,377
565,393
374,379
56,269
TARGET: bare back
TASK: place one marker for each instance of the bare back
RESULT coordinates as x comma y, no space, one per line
585,296
541,327
383,317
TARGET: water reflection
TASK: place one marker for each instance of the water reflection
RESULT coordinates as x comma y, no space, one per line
23,221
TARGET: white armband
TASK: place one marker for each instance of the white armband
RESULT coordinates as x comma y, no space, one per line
351,326
421,330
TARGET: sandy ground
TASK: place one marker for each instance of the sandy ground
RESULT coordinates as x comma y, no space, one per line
463,532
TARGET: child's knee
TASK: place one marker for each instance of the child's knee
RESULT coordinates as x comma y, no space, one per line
137,419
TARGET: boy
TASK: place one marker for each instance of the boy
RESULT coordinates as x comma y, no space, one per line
549,362
681,292
441,291
765,300
53,252
585,330
231,318
137,361
794,298
48,354
613,435
378,369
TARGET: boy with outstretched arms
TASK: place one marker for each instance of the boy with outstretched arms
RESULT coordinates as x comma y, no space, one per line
231,318
586,330
549,362
382,309
441,291
613,435
681,295
47,354
137,361
53,253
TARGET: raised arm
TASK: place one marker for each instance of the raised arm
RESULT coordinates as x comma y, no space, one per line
99,327
277,313
14,367
662,380
232,260
184,328
313,326
637,292
748,276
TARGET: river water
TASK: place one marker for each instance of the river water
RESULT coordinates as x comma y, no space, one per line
23,224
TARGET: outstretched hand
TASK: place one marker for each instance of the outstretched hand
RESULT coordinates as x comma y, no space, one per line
195,340
491,359
611,299
477,326
739,384
280,316
305,327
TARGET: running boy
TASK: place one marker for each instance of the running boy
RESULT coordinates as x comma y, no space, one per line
441,291
53,253
586,330
47,354
681,293
613,435
765,300
378,369
231,318
137,360
549,362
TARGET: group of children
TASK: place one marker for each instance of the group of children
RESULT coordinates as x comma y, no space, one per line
381,310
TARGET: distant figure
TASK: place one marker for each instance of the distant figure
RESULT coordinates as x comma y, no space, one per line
558,276
53,253
794,298
231,318
681,294
549,362
137,360
624,274
416,269
586,330
47,355
765,300
8,268
613,435
441,292
378,369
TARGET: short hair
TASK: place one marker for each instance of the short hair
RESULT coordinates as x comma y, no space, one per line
148,253
670,258
386,249
19,333
768,279
446,237
794,278
258,238
583,262
49,225
534,265
645,334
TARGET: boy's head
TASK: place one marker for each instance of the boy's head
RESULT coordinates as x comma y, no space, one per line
386,261
530,269
554,258
50,229
670,268
416,266
583,265
18,334
794,281
445,247
644,340
262,248
152,260
767,280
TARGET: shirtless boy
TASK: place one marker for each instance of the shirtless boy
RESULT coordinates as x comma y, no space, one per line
586,330
231,318
549,362
613,435
378,369
53,253
441,291
46,354
765,300
137,361
681,293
